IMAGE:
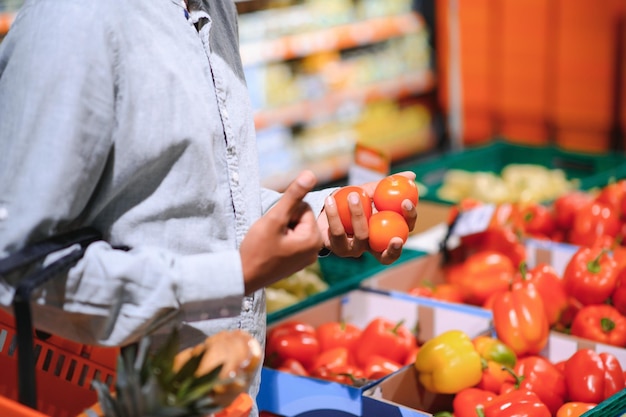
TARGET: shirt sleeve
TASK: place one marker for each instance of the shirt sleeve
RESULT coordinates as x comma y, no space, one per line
57,112
315,199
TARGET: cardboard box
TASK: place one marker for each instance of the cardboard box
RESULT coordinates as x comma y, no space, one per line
399,280
402,395
553,253
290,395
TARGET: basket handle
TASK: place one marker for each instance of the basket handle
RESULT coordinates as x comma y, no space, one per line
27,387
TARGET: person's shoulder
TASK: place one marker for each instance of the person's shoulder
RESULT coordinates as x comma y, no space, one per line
66,11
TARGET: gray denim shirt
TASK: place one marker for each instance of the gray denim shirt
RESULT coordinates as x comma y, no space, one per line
127,116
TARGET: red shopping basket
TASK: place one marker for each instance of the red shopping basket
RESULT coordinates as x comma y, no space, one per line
63,373
44,372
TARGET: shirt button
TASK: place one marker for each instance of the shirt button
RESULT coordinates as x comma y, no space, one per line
225,113
236,177
4,213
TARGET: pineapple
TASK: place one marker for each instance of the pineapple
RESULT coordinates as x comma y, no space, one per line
195,382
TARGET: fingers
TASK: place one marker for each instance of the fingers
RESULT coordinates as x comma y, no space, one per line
409,212
392,253
289,204
409,174
337,240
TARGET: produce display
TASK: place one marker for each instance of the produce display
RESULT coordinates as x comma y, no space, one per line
339,351
515,183
484,375
295,288
488,269
504,373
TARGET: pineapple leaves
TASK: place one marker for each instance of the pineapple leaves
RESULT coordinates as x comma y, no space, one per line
163,360
196,388
147,385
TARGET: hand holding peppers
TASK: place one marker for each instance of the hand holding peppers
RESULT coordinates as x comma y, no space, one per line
448,363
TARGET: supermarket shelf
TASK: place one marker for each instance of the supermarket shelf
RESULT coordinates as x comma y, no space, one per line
303,111
335,168
330,39
6,19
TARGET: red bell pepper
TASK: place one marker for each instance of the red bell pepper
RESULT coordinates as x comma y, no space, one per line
516,403
538,375
618,298
595,223
383,337
332,358
291,339
600,323
378,366
566,206
346,374
537,220
592,377
612,194
507,241
550,287
520,321
590,275
300,346
293,366
334,334
468,400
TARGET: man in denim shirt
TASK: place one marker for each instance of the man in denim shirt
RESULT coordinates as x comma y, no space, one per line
133,117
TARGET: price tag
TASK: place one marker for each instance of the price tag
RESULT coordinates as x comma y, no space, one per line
369,165
474,220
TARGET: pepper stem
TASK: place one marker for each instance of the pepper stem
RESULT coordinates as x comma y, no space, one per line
594,265
523,269
397,326
518,378
480,411
607,324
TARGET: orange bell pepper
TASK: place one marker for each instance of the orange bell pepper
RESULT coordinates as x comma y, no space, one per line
574,409
497,359
484,273
520,320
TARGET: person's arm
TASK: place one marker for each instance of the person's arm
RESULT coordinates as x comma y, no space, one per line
57,101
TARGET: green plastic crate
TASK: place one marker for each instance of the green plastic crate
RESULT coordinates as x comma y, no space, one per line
615,406
591,170
342,275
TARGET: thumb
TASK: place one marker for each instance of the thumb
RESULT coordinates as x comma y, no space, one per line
291,199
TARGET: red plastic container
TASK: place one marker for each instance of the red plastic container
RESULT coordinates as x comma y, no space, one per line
64,371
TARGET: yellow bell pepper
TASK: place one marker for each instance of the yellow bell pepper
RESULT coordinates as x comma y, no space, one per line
448,363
